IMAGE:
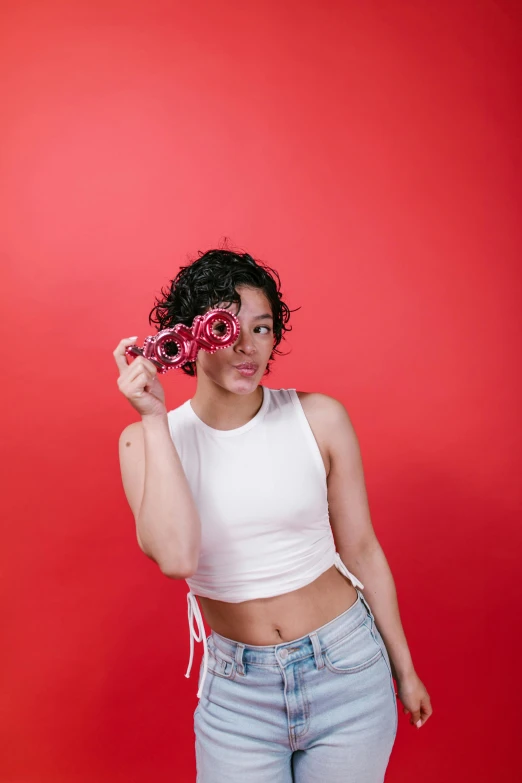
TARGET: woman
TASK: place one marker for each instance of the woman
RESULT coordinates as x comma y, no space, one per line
256,497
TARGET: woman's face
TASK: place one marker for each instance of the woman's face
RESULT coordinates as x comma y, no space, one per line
240,367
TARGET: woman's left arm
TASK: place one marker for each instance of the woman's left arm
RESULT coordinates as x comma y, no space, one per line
358,545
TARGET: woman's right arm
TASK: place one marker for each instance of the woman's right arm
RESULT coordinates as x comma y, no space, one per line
167,521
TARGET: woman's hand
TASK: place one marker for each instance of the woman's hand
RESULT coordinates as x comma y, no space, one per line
138,381
415,699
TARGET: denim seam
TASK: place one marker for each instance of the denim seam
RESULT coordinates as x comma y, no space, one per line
223,676
353,669
306,703
392,687
283,663
272,666
215,672
301,658
289,727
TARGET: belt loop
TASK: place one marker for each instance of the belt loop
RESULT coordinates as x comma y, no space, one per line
318,655
366,604
238,657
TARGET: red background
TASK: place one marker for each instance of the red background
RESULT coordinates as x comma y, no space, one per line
370,152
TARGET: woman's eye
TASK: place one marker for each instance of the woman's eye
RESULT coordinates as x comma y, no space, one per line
266,328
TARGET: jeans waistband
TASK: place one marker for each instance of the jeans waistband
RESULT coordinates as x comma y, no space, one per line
310,644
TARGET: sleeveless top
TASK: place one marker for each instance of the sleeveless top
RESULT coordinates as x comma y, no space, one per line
261,494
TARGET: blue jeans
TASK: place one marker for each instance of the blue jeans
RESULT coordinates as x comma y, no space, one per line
319,708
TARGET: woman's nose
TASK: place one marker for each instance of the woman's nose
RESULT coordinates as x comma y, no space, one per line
245,343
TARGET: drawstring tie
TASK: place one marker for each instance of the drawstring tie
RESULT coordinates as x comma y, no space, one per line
342,568
197,634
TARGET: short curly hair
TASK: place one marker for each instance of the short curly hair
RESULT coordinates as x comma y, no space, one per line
211,280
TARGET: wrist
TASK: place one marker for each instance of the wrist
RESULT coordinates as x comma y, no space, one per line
151,421
403,675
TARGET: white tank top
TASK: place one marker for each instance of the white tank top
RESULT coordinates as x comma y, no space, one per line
261,494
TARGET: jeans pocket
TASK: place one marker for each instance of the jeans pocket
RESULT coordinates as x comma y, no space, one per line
353,653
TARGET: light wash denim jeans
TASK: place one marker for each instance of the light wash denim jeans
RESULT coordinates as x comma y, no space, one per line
321,708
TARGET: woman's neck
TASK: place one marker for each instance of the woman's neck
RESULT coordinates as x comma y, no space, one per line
224,410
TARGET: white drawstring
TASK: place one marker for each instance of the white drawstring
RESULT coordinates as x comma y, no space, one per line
198,635
342,568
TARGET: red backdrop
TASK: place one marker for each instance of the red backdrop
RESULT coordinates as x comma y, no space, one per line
369,151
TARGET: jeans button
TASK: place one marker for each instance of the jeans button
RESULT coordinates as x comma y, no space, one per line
283,654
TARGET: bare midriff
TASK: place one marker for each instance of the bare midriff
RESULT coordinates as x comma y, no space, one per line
282,618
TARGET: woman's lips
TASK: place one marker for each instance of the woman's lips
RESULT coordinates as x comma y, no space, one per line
247,369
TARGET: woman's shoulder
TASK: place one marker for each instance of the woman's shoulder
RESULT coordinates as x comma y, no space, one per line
327,415
313,402
316,399
323,404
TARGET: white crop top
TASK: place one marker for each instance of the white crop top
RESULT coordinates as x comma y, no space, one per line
261,494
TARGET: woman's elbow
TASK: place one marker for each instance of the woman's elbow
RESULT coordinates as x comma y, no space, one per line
172,567
177,570
177,565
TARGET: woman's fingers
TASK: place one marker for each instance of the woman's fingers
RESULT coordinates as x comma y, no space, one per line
119,354
138,380
426,710
139,366
421,714
123,363
138,384
415,701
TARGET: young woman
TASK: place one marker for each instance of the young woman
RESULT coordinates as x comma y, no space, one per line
256,497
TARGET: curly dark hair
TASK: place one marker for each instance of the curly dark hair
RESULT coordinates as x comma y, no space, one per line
211,280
